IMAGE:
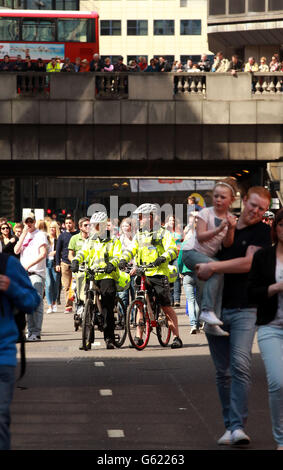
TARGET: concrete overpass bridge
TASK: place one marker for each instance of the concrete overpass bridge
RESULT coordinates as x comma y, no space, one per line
138,125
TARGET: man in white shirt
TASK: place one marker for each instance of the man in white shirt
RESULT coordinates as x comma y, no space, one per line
32,247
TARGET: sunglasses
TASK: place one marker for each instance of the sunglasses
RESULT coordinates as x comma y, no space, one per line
4,228
30,221
85,225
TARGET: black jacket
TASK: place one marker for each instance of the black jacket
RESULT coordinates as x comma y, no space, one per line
261,276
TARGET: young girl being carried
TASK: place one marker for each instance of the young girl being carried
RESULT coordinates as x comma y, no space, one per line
215,227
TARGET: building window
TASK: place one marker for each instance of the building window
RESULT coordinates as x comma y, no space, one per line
190,27
194,58
274,5
183,3
237,7
110,27
137,27
38,30
164,27
217,7
9,29
256,5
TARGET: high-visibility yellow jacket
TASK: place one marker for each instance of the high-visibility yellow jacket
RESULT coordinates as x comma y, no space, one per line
96,252
50,68
147,246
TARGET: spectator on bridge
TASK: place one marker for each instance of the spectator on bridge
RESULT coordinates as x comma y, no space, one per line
263,67
19,64
84,66
133,66
164,65
6,65
204,64
274,65
62,260
220,64
236,65
266,291
152,67
77,64
178,67
96,64
120,66
189,66
232,354
53,66
32,246
108,67
68,66
142,63
251,65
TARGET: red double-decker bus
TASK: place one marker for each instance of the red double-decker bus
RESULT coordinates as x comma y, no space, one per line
48,33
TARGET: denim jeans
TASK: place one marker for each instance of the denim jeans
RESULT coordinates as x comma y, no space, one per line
211,297
190,289
35,320
125,294
176,291
270,341
51,283
7,381
232,359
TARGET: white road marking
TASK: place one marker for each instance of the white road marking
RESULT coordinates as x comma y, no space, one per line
99,364
115,433
105,392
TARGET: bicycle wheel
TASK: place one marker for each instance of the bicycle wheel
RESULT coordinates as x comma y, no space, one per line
139,337
87,326
162,329
120,330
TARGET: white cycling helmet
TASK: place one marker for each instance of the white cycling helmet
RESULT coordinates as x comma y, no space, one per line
98,217
269,214
146,208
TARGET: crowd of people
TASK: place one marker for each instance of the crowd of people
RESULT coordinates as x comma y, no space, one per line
97,64
231,268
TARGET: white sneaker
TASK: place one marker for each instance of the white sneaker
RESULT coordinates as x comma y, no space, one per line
238,437
215,330
54,308
194,330
33,337
49,310
210,318
225,440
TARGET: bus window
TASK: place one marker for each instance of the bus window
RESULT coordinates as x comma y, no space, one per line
73,30
38,30
9,29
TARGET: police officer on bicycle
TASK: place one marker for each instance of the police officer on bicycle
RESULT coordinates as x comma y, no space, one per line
154,244
102,251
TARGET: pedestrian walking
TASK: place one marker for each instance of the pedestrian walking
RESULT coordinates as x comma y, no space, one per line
52,276
62,260
16,292
266,291
232,354
32,246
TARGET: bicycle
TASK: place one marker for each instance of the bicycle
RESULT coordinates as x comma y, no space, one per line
147,314
93,317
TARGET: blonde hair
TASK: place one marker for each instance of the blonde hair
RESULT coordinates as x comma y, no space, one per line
41,225
57,228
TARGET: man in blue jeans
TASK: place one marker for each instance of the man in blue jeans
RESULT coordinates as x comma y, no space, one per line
232,354
16,291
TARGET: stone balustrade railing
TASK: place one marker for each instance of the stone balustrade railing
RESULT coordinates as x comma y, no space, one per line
142,86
